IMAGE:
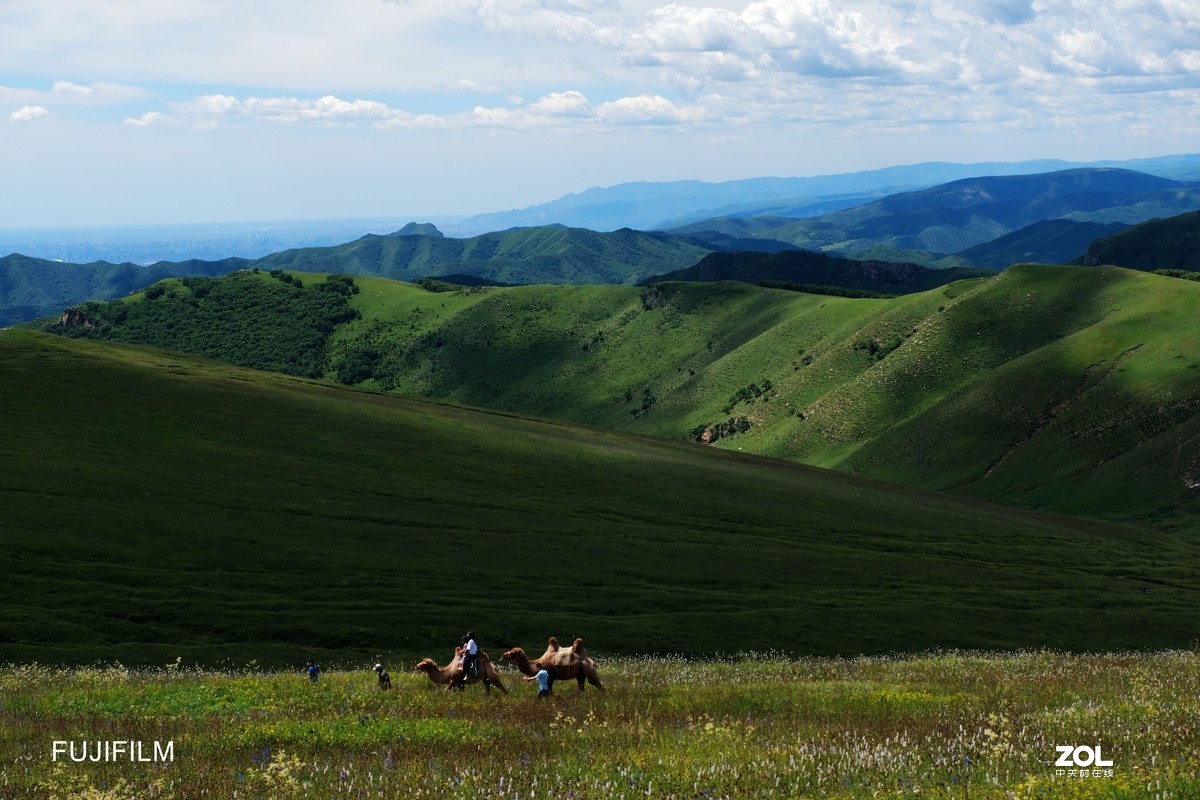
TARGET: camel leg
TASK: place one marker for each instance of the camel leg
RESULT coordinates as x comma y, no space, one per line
579,679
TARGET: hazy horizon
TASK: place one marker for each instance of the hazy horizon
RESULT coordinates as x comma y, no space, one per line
192,111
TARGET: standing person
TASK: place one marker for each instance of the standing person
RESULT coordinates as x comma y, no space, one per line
543,679
385,680
312,669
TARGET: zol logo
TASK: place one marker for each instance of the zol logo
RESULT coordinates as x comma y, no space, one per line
1080,756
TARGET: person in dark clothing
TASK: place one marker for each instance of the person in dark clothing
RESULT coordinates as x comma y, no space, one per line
312,669
385,680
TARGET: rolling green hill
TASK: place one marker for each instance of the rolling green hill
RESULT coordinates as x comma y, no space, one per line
1070,389
32,288
918,226
550,254
1172,243
35,287
157,505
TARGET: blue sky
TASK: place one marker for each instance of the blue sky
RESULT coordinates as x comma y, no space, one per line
146,111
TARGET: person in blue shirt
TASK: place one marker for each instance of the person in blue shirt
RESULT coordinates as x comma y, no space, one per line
543,679
312,669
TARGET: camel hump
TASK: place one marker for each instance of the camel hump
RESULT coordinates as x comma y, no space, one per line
554,642
575,645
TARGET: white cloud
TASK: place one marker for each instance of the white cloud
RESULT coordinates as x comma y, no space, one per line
148,119
573,108
641,109
66,87
29,114
212,111
562,104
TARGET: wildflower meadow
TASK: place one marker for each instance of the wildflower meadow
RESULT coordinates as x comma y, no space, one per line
941,725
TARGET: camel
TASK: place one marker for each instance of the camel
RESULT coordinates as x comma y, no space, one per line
451,674
563,663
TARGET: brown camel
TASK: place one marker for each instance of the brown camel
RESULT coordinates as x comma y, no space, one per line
452,677
563,663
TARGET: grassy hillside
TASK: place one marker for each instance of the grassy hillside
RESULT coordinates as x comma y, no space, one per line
1061,388
1064,388
1172,243
551,254
35,287
32,287
158,505
916,226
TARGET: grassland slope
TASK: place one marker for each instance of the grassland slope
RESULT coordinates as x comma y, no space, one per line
1070,389
158,505
1064,388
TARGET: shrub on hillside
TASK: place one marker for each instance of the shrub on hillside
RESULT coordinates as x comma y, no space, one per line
244,320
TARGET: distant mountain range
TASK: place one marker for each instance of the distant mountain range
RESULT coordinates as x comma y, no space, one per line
665,205
927,225
1052,241
987,222
549,254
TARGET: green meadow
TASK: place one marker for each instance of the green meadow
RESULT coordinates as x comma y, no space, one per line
944,725
1068,389
1064,389
160,506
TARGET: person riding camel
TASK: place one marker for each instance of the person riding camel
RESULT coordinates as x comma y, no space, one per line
470,655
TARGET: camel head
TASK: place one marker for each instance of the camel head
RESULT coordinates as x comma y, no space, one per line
427,666
516,654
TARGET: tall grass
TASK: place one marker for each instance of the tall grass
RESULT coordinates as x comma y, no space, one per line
944,725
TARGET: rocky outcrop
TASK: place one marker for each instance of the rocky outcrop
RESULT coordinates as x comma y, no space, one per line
74,317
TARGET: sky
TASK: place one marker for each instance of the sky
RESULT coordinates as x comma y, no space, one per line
167,111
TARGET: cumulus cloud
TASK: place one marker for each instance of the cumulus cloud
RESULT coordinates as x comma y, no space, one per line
573,108
29,114
562,104
148,119
979,64
954,43
66,87
642,108
212,111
